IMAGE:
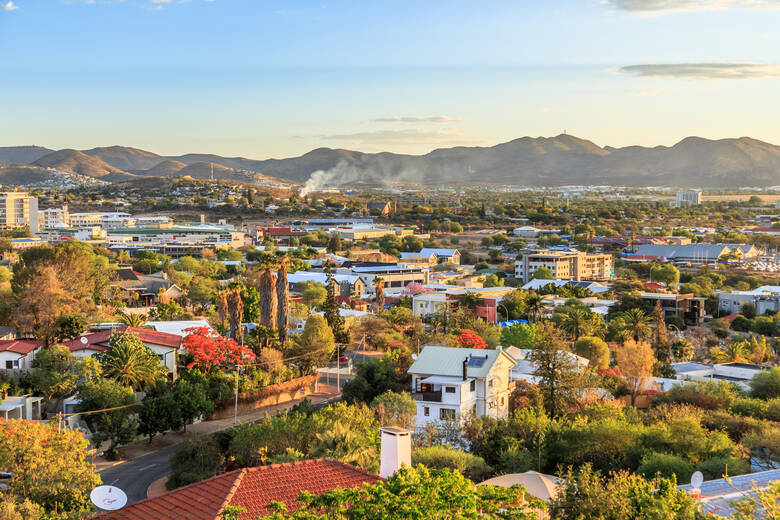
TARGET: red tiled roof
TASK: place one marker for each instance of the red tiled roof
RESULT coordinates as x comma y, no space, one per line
99,340
250,488
19,346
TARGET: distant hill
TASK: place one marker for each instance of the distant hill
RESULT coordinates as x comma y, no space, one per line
125,158
550,161
24,174
22,154
82,164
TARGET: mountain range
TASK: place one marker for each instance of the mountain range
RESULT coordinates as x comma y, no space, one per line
542,161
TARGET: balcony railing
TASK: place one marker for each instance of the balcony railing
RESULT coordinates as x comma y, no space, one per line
431,397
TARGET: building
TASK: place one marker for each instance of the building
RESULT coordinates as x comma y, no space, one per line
16,355
53,218
382,209
452,383
425,304
566,265
717,497
146,290
688,198
526,232
738,373
443,256
18,209
164,345
348,284
695,254
594,287
686,306
766,299
395,276
252,489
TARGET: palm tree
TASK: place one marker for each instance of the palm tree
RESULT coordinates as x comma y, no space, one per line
342,443
534,305
130,362
379,282
268,315
131,319
734,352
282,300
637,323
577,322
236,310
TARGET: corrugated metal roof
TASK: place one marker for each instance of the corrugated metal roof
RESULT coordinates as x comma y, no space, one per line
448,361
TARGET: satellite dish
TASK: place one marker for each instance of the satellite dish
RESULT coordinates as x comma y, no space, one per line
414,357
84,340
108,498
697,479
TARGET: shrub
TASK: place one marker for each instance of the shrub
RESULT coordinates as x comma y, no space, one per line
710,395
195,460
517,460
441,457
716,467
773,410
666,466
735,426
766,384
750,407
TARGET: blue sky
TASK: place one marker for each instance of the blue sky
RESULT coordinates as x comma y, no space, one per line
263,78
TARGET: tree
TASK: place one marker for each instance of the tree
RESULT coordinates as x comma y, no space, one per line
493,280
660,338
313,294
192,400
55,372
395,409
373,378
333,315
522,336
129,362
114,425
636,324
268,303
534,304
748,310
595,349
577,322
558,380
69,326
211,350
236,313
635,362
159,414
470,339
49,466
666,273
542,273
40,304
315,345
413,493
379,283
166,311
282,301
132,319
766,384
444,457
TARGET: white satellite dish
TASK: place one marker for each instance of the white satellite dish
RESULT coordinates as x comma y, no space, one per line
108,498
84,340
414,357
697,479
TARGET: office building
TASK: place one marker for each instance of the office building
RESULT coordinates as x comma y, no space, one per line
18,209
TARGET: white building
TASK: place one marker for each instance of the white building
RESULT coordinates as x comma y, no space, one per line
738,373
53,218
452,383
18,209
765,298
17,355
688,198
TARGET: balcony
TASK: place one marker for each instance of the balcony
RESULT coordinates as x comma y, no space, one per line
431,397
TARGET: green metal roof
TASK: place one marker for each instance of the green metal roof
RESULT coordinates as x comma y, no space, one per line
448,361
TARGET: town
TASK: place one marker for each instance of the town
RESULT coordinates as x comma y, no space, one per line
539,341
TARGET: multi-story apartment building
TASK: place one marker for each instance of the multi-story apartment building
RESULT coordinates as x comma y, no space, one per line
18,209
566,265
53,218
688,198
453,383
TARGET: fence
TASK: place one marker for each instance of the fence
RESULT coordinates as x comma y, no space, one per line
279,393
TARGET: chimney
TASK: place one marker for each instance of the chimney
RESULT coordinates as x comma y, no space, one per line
396,450
203,219
465,369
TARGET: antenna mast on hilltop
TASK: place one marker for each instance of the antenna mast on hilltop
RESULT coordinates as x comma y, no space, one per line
212,171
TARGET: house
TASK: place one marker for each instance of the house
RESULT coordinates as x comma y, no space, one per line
25,407
252,489
594,287
738,373
686,306
348,284
146,290
525,369
443,256
17,355
420,259
451,383
164,345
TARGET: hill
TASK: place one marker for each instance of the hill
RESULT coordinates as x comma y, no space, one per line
125,158
78,162
22,154
164,169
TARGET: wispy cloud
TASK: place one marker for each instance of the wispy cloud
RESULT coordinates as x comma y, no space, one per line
668,6
704,71
417,119
405,136
8,6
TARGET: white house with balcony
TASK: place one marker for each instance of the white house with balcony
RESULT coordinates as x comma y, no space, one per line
451,383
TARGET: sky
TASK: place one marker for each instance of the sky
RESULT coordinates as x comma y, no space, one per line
267,78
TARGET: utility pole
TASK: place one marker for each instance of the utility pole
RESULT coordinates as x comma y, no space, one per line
235,408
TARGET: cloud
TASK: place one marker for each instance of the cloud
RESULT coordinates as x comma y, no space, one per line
417,119
8,6
666,6
405,136
704,71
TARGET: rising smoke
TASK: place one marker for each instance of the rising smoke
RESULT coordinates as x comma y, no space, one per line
379,170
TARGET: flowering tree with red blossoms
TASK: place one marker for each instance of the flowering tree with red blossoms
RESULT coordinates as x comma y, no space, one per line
211,350
470,339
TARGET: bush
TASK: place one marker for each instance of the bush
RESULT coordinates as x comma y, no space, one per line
716,467
773,410
517,460
750,407
709,395
736,427
741,323
195,460
766,384
666,466
441,457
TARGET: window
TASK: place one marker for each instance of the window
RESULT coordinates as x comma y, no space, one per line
473,385
447,414
502,401
449,389
9,364
427,411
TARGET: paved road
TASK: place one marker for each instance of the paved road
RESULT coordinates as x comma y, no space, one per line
135,476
